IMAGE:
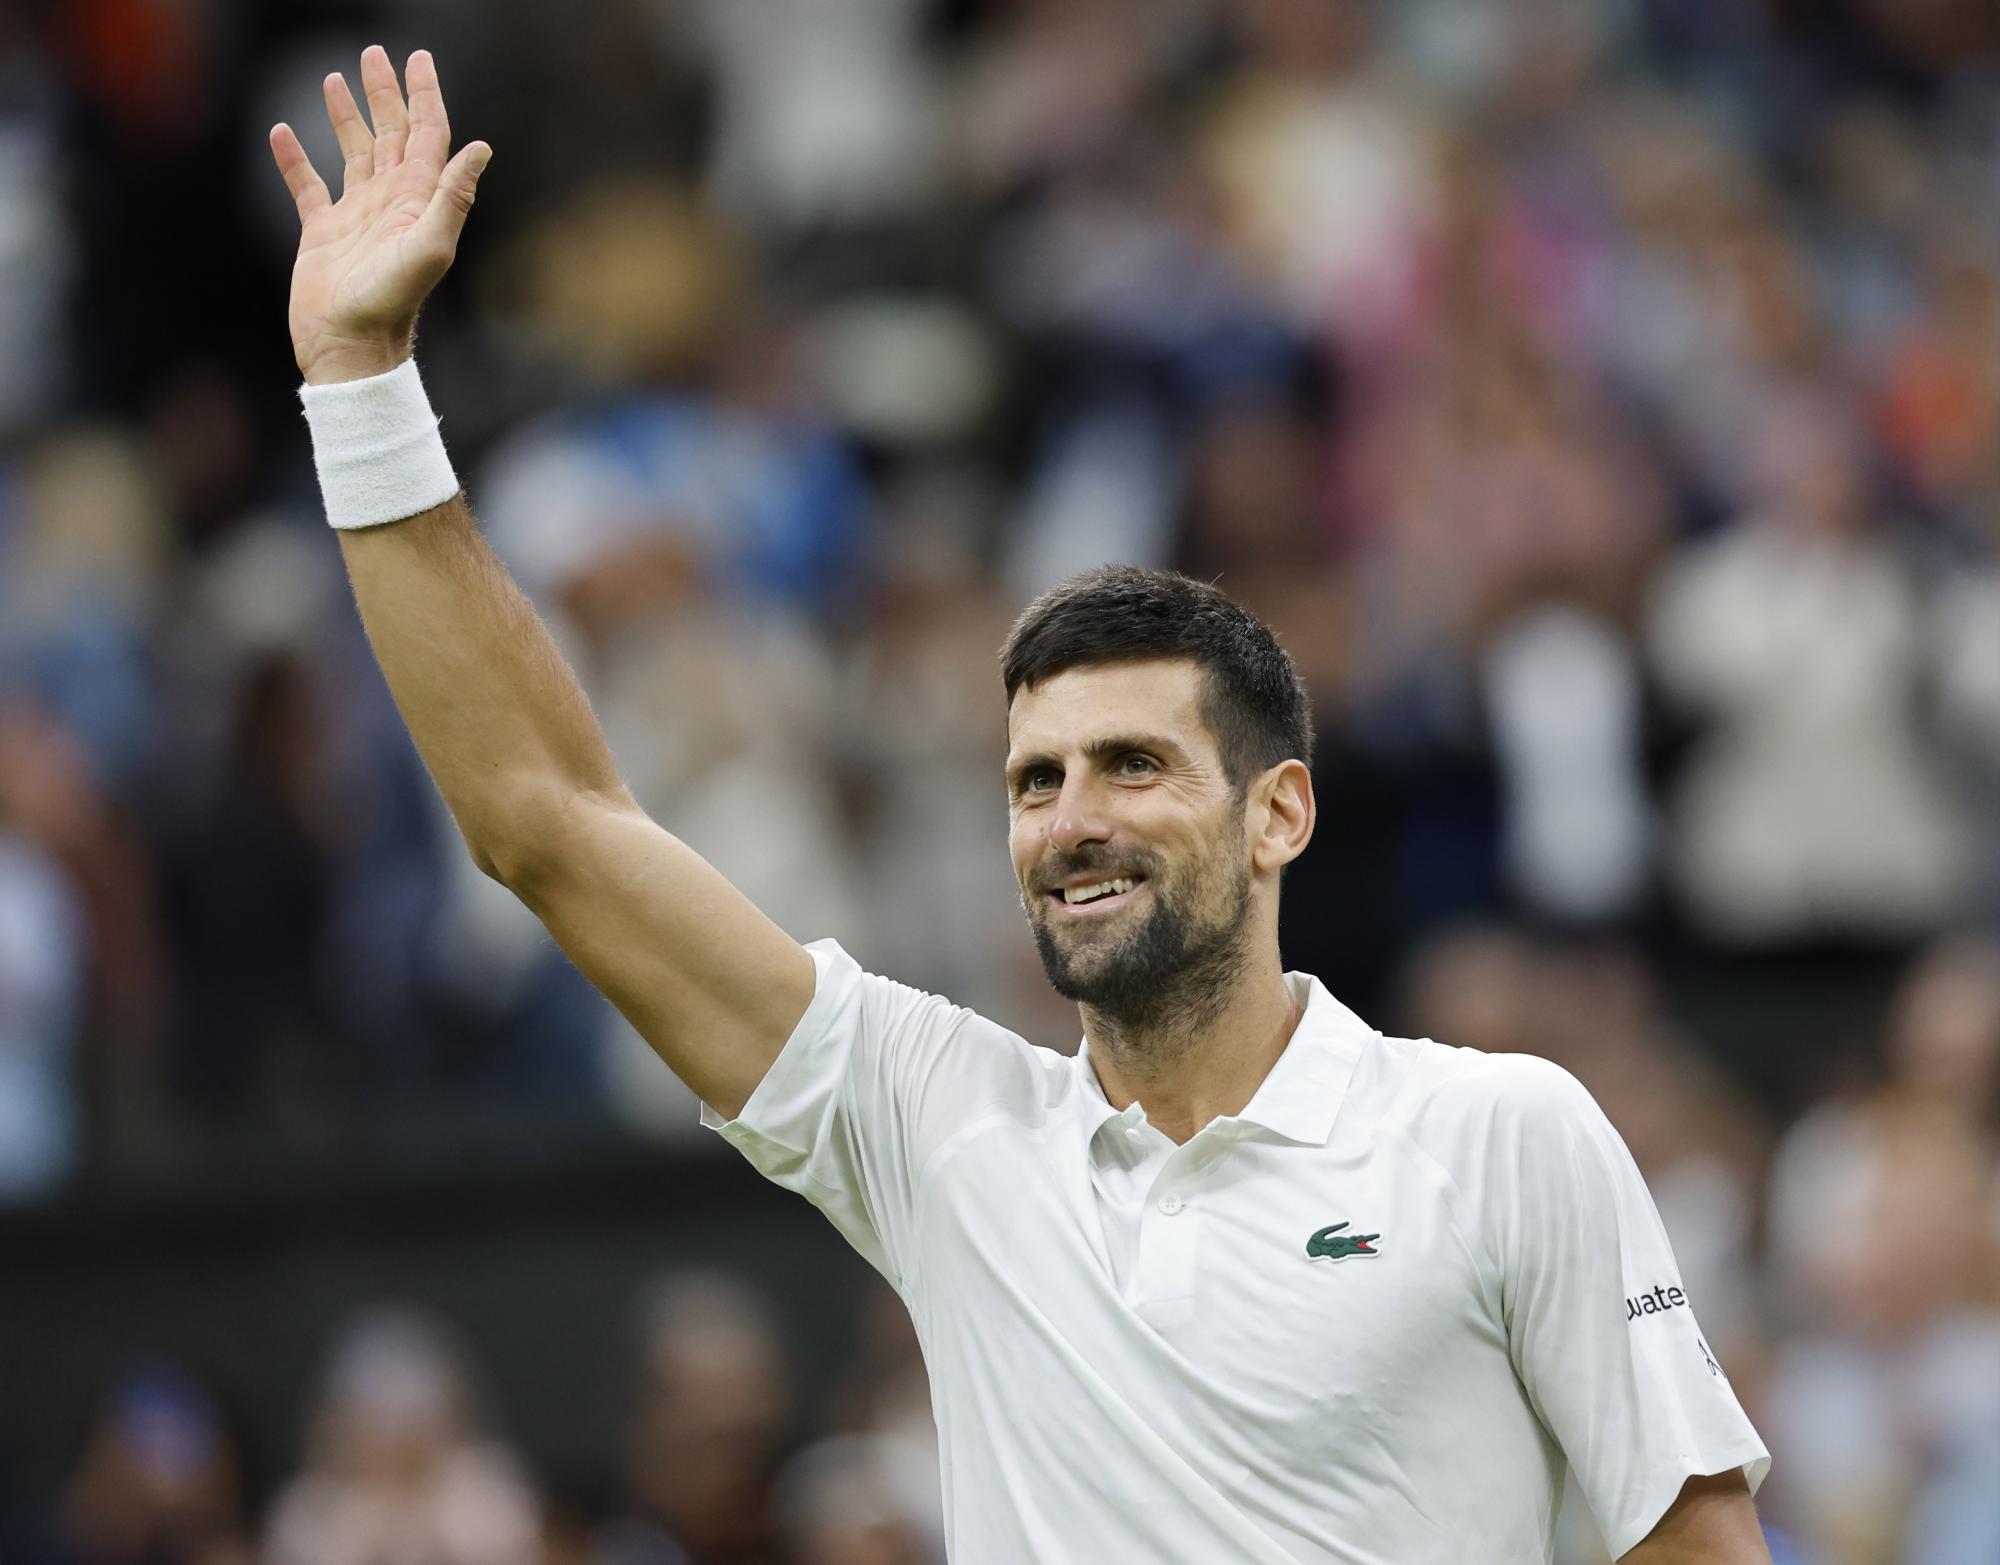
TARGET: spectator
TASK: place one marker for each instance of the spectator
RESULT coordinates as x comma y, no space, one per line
160,1480
43,958
836,1510
709,1435
890,1448
1887,1390
1601,398
398,1470
85,953
1884,1402
1813,808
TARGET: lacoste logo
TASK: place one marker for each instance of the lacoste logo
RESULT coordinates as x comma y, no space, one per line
1330,1244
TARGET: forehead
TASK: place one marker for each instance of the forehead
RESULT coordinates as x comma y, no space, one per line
1067,710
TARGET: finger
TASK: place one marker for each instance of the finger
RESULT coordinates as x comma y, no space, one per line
385,106
443,221
357,146
430,131
301,178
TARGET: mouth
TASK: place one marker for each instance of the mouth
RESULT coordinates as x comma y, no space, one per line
1097,898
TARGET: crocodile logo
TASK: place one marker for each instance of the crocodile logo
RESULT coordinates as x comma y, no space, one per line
1330,1244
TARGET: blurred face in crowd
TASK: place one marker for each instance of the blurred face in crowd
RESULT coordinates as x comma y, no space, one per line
395,1403
1945,1033
859,1541
1810,472
838,1510
158,1477
1478,987
1925,1188
1129,840
1310,36
714,1394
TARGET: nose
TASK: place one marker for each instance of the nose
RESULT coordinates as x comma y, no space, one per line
1080,817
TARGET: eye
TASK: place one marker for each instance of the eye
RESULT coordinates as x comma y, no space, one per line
1040,780
1137,765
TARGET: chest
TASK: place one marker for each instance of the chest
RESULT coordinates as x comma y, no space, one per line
1283,1298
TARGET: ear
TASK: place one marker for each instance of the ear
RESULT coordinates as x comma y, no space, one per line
1281,817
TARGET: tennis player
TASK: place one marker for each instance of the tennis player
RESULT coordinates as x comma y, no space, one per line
1244,1282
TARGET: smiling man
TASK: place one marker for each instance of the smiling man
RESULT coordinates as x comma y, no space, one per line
1244,1281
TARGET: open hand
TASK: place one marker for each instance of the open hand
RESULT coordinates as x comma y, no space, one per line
367,260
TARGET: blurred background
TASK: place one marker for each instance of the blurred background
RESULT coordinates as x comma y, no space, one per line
1599,396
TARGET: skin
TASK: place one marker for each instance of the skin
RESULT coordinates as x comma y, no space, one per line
507,734
1081,807
712,984
1714,1522
367,261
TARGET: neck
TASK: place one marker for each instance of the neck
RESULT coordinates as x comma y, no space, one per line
1197,1057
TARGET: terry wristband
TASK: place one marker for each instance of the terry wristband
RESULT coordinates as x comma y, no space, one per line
377,447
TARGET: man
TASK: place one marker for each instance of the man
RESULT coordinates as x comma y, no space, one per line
1245,1281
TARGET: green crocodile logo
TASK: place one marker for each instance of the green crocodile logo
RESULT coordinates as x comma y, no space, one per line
1331,1244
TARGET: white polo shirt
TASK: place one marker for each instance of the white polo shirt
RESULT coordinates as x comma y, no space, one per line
1364,1321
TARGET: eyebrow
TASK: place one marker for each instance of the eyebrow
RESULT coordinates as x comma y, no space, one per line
1097,750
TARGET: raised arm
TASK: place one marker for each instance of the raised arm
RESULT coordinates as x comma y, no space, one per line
508,735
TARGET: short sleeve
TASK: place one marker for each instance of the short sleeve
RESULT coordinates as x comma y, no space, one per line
1601,1332
873,1075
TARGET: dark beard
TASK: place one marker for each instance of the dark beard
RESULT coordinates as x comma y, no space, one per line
1171,972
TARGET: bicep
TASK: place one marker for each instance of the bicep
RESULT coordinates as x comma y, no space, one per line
710,982
1714,1522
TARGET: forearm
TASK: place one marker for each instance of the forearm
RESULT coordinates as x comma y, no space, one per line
498,717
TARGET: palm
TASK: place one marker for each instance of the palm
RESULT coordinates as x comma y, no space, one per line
356,266
366,261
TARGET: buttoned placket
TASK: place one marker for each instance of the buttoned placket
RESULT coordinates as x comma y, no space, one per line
1155,1192
1171,1224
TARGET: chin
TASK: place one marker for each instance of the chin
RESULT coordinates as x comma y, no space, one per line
1086,970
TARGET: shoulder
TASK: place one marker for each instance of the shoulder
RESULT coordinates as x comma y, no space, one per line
1448,1090
1528,1150
1483,1118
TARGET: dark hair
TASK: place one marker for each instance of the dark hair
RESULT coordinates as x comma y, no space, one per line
1252,697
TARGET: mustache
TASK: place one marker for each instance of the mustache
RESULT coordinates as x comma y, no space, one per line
1063,866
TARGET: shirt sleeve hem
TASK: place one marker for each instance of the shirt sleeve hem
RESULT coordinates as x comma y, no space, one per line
1749,1455
790,1058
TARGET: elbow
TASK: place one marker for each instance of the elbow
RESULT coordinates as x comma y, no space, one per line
498,854
514,860
538,835
502,844
487,862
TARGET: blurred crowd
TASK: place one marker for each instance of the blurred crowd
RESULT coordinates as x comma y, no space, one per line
402,1463
1599,397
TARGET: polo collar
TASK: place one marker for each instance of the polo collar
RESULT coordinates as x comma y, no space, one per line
1300,1097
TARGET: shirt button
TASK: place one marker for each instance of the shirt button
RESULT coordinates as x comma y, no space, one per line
1171,1204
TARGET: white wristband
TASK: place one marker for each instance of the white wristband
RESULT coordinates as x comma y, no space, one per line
377,447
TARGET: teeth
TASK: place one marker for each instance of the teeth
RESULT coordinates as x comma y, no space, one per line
1104,888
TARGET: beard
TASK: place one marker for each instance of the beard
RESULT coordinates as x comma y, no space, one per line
1177,964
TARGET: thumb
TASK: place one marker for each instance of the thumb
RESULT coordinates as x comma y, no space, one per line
438,229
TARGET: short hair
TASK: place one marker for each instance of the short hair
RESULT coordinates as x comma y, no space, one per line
1252,697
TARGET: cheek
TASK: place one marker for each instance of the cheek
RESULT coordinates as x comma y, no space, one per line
1213,867
1024,847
